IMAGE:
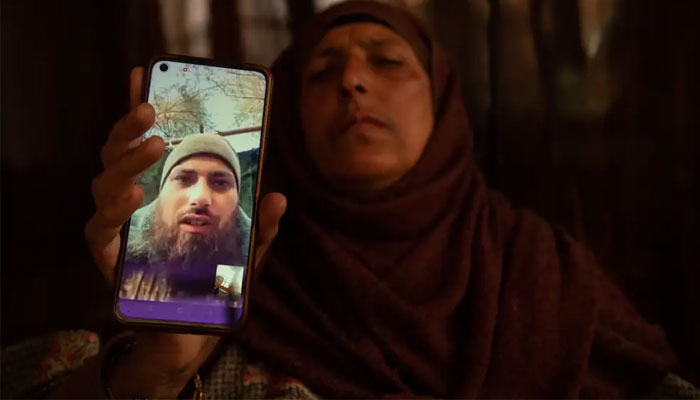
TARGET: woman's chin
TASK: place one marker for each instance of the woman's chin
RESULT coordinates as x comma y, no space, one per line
369,164
369,172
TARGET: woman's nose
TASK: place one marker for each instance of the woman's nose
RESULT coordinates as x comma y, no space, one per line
354,77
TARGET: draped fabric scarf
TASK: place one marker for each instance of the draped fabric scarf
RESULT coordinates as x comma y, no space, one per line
434,286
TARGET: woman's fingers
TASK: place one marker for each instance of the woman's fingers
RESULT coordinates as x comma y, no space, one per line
116,195
135,87
102,230
125,171
272,207
126,133
112,215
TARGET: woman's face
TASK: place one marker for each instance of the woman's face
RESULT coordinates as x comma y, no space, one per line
366,107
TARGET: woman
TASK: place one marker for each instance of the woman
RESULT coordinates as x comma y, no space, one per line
395,272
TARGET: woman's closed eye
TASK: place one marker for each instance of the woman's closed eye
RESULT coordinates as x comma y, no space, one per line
319,74
384,63
387,62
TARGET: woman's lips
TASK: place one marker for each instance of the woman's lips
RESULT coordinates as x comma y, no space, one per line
368,119
360,123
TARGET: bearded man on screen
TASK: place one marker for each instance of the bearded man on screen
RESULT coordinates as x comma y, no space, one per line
196,223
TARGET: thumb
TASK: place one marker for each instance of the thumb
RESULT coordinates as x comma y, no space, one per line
272,207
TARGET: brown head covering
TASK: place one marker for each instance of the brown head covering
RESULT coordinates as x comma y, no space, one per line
435,286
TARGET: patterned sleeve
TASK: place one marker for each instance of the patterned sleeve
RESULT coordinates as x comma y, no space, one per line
233,376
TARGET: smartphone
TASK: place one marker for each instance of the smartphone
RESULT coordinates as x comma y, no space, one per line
187,252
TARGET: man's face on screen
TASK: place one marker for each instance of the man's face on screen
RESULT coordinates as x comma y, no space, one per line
196,209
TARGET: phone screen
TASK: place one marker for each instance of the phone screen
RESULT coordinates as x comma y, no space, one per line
187,248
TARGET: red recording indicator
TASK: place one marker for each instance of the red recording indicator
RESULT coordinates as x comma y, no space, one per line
184,69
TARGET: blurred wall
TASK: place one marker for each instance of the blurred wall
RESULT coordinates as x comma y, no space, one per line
65,69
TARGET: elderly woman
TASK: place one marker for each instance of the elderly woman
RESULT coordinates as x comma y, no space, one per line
395,271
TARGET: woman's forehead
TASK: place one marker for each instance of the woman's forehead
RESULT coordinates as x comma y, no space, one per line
364,34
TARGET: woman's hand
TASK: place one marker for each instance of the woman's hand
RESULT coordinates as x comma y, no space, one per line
160,364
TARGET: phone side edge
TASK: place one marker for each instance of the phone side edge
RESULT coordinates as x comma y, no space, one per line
252,250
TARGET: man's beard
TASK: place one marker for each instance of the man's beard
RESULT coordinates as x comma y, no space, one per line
170,244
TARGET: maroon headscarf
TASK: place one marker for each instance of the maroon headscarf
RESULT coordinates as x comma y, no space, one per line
435,286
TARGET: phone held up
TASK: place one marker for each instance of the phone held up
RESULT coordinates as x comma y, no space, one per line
187,252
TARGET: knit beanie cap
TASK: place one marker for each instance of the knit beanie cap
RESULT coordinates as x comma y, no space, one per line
207,144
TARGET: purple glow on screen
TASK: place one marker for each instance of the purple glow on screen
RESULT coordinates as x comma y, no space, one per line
211,313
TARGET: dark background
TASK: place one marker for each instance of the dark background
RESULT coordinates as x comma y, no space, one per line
606,146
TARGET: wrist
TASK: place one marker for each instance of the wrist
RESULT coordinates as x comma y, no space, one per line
136,378
131,373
